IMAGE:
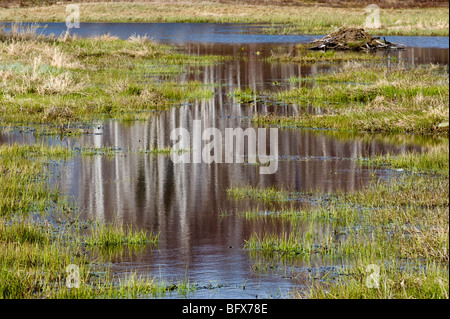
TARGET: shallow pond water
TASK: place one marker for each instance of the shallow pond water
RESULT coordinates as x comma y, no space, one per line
202,231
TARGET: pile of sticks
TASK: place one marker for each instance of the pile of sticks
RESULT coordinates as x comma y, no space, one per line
353,39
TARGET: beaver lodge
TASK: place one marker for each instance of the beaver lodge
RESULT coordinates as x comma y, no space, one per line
355,39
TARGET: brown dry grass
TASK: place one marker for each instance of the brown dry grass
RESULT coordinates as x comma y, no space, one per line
332,3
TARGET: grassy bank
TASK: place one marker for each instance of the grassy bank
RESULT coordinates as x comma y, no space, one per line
64,81
399,224
371,98
306,19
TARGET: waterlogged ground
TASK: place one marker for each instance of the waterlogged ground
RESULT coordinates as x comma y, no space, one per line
203,229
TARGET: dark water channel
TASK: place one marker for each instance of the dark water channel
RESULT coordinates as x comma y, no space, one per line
202,231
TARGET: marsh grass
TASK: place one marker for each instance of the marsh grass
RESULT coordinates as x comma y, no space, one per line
130,286
162,151
291,244
379,237
289,213
270,194
303,55
356,82
23,178
17,151
116,234
20,32
116,253
393,22
369,98
134,286
157,151
25,172
435,160
34,254
107,151
63,81
429,282
22,231
403,219
246,95
33,261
